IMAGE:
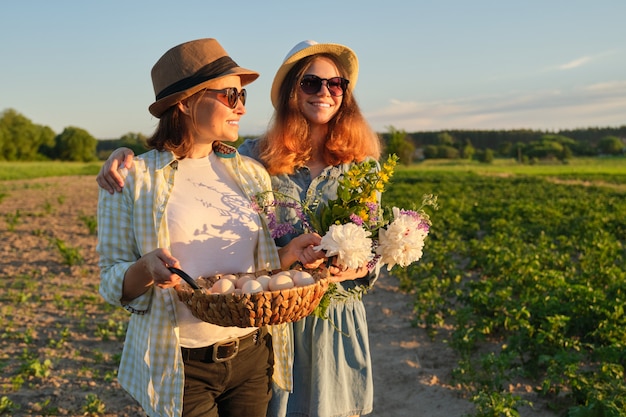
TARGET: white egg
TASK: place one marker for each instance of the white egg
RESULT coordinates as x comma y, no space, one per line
281,282
223,286
231,277
251,286
264,280
243,279
302,278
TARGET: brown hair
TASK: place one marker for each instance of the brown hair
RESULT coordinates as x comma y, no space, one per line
174,132
286,145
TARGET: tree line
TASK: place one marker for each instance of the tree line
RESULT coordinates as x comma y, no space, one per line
525,145
23,140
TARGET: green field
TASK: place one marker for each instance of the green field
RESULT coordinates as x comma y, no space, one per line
523,274
29,170
576,168
525,270
580,167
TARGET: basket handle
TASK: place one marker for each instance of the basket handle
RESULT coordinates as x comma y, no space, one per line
183,275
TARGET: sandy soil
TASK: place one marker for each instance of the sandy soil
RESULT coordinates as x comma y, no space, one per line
410,370
51,310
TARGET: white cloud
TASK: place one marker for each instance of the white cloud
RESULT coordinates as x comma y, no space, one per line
593,105
575,63
611,87
582,61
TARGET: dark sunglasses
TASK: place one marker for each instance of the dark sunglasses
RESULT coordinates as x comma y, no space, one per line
312,84
232,95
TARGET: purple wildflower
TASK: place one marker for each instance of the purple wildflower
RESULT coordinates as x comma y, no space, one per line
271,220
281,230
413,214
278,230
255,205
420,220
356,219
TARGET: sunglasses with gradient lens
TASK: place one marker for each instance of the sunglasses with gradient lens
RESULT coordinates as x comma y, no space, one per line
232,95
312,84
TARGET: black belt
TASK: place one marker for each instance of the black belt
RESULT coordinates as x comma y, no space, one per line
225,349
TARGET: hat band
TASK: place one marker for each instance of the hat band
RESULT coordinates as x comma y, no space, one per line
208,72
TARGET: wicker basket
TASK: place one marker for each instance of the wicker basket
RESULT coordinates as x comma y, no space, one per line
256,309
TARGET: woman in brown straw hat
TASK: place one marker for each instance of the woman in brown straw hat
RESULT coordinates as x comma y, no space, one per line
317,132
187,204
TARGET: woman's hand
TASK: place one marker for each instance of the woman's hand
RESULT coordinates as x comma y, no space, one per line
300,249
339,274
109,178
150,269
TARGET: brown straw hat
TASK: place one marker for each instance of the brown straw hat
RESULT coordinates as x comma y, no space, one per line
345,55
188,68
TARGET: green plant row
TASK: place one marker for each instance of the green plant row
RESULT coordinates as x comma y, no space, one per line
30,170
530,275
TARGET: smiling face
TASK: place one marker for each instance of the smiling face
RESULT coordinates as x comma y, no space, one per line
321,107
212,117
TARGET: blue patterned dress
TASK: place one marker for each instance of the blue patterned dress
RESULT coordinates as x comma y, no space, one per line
332,370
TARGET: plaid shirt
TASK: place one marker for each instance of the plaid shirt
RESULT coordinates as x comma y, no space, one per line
131,224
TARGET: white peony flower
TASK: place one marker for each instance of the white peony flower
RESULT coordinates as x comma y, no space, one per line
402,241
349,242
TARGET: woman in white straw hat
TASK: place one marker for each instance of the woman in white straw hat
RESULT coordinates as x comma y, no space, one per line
187,204
316,133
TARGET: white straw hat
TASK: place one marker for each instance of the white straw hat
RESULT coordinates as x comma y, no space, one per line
345,55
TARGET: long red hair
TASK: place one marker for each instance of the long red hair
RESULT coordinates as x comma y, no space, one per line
287,145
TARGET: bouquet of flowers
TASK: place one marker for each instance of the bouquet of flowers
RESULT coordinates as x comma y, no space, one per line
358,229
355,227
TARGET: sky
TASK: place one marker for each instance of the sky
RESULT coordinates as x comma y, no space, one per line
424,65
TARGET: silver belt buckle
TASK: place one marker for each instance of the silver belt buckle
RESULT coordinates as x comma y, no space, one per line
234,345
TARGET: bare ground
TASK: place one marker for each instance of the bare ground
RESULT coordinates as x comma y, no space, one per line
51,310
